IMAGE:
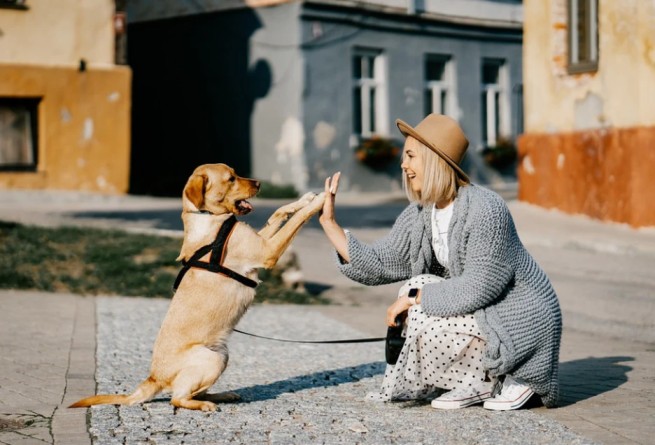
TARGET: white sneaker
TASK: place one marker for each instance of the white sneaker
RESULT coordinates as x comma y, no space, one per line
513,395
460,398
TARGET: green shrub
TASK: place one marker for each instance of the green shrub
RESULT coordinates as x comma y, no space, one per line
269,190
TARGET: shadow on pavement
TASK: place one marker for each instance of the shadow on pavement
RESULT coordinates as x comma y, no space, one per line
159,219
322,379
588,377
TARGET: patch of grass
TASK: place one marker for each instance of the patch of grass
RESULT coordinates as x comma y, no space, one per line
277,191
273,287
109,262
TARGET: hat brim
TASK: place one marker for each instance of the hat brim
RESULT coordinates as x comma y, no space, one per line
408,130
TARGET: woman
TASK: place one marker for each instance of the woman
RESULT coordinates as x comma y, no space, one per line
483,321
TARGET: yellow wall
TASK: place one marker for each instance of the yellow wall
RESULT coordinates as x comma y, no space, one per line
58,32
84,127
84,116
620,94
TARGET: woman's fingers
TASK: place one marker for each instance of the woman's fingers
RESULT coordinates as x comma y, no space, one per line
334,184
331,187
327,213
392,312
400,306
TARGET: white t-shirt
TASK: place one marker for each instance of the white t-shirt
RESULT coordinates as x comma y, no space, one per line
440,222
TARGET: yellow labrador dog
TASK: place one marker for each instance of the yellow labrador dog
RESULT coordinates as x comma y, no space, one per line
190,352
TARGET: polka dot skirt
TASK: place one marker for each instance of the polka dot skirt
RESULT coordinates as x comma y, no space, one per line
439,354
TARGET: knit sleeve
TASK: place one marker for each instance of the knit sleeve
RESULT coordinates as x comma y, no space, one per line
487,265
384,261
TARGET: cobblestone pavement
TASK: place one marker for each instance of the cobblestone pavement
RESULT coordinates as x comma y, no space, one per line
290,393
314,394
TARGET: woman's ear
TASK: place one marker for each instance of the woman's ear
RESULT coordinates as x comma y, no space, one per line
195,190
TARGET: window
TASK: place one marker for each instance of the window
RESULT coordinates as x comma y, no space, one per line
583,36
495,101
369,95
18,134
13,4
439,85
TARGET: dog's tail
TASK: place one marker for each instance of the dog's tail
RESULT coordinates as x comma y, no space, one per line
144,392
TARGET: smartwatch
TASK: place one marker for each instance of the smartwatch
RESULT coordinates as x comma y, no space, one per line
413,292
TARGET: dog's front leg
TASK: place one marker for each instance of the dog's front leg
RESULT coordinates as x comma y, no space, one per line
278,243
281,215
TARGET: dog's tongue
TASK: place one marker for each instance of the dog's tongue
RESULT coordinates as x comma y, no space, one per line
245,206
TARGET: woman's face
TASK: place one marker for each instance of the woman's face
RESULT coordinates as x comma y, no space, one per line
412,166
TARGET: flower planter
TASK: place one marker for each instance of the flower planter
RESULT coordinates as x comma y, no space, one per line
377,152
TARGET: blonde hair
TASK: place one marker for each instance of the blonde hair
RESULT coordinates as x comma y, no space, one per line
440,181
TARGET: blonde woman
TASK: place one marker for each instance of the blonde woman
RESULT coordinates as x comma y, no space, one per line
482,321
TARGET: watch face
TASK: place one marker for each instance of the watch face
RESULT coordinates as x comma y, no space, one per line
413,292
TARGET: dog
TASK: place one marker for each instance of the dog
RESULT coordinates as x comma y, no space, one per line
190,352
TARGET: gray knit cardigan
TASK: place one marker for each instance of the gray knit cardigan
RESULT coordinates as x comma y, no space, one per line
489,273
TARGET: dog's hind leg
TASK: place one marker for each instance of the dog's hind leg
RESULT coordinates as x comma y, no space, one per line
204,367
189,403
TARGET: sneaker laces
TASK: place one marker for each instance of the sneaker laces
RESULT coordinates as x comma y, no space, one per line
510,385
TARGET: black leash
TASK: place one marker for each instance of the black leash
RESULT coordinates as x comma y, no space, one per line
354,340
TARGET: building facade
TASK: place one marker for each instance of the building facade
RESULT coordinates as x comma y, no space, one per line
589,142
287,90
64,104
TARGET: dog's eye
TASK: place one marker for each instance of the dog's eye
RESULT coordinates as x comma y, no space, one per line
232,179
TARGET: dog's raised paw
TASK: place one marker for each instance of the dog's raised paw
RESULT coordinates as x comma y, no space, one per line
318,200
308,197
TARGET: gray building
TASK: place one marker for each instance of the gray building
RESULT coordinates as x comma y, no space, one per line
285,91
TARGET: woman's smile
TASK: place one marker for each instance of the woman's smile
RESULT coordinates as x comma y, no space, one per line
412,165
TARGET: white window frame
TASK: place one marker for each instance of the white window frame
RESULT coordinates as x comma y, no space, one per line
576,64
496,94
445,85
377,83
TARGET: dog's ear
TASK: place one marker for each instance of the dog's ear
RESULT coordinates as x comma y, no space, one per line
195,190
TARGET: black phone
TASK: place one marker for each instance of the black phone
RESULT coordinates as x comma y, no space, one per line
394,342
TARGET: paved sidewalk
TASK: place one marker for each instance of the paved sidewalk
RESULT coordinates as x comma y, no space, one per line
601,271
291,394
47,361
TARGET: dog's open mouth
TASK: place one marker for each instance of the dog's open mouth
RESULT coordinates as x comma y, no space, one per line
243,206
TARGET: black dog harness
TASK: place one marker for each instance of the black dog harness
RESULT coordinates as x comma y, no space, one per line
215,264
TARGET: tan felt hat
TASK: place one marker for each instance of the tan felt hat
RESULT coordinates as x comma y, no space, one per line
442,135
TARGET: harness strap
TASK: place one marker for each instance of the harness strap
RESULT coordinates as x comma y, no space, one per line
215,264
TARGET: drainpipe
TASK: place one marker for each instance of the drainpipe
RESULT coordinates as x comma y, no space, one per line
415,6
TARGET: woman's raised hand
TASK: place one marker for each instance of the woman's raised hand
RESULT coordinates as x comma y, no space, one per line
334,232
331,187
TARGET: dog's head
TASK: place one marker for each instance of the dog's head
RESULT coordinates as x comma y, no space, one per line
217,189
